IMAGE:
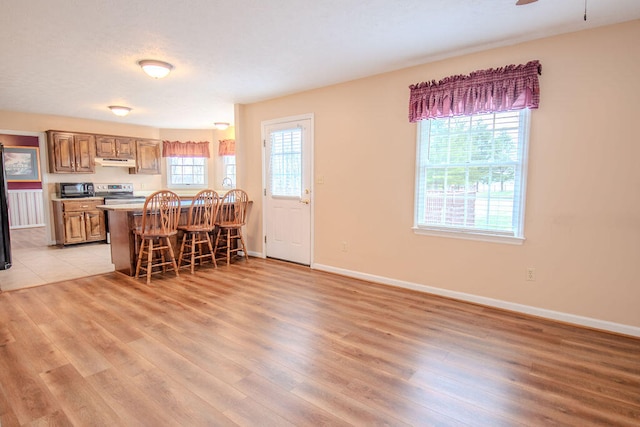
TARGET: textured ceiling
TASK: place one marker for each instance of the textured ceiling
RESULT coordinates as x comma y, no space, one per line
74,58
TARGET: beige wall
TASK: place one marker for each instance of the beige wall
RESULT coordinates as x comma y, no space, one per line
582,222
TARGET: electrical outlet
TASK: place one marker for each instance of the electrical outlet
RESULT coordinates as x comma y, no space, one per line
344,246
531,274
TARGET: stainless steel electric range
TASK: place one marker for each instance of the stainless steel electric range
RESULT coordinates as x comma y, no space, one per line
116,194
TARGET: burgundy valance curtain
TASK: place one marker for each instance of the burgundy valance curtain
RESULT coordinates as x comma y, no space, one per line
185,149
513,87
227,147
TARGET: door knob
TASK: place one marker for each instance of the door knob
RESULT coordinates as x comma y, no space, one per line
305,201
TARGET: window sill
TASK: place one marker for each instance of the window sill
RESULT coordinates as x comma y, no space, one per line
466,235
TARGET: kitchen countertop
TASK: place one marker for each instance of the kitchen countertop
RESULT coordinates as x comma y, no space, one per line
78,199
133,207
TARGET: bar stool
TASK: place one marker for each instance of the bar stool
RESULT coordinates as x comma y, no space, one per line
232,216
160,216
200,222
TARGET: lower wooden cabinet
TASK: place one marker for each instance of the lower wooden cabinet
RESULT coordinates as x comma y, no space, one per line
78,221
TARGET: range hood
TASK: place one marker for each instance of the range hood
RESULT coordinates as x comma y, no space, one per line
123,163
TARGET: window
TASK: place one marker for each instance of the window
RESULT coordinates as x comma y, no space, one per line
285,163
471,176
229,171
187,172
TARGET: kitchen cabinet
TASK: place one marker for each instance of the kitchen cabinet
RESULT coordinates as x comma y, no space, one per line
79,221
113,147
147,157
71,152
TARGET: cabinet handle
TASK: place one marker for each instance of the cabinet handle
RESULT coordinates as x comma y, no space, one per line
84,206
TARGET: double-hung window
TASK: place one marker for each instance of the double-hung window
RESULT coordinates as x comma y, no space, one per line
187,172
471,174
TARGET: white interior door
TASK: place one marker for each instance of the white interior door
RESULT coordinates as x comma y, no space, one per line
288,152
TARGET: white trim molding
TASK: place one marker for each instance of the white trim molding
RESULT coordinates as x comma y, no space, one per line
505,305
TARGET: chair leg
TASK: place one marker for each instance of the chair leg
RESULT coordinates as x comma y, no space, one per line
193,251
173,257
213,255
228,246
163,257
149,260
140,255
244,247
184,238
215,246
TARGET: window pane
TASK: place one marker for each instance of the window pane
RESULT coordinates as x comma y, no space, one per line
229,177
285,163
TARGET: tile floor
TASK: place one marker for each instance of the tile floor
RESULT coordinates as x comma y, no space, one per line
34,263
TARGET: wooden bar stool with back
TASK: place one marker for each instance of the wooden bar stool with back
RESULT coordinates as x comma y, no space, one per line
232,216
160,216
200,222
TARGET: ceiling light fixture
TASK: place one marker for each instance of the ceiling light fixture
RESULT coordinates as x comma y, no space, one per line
523,2
221,125
155,69
119,110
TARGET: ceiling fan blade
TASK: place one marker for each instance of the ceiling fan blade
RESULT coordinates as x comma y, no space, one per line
523,2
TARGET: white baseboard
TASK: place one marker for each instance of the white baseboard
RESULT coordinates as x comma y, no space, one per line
520,308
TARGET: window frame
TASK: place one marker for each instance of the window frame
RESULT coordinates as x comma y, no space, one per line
518,237
202,186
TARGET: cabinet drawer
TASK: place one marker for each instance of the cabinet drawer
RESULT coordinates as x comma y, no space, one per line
80,205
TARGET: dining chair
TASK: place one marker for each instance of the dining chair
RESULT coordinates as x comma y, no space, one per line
232,216
160,216
200,222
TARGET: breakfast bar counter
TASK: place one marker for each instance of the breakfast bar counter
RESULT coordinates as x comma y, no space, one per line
123,220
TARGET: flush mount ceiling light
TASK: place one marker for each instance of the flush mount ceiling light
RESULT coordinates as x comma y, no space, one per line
523,2
119,110
221,125
155,69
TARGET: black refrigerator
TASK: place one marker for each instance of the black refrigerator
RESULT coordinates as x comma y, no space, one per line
5,243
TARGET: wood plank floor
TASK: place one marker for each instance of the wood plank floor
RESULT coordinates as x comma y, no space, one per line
274,344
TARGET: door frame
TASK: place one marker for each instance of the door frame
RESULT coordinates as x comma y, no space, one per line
44,168
263,136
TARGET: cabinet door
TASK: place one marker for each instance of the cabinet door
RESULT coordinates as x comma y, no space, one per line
74,227
94,222
148,157
112,147
61,152
106,147
85,153
125,148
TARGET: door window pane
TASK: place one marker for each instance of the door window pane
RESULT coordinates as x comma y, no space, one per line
285,163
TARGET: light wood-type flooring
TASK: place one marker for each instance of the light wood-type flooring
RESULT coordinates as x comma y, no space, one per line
266,343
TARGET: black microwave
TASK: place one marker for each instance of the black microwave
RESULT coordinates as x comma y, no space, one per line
68,190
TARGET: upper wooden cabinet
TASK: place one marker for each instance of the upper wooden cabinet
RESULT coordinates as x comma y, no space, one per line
71,152
113,147
147,157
